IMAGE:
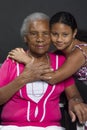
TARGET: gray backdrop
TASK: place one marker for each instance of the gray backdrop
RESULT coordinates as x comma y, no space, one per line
12,13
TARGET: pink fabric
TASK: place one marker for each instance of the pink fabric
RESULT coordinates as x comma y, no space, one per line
21,110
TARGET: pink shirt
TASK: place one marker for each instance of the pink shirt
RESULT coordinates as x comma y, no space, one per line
29,106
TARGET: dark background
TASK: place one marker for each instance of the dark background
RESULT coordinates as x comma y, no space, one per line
12,13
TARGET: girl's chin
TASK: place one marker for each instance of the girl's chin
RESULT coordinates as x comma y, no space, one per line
60,48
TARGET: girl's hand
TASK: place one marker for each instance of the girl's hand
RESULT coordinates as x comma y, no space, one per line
49,76
19,55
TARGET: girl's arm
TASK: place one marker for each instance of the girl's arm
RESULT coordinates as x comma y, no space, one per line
73,62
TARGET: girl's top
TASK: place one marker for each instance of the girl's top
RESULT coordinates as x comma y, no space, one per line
81,74
36,103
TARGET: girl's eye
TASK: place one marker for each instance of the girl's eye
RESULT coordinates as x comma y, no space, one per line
54,33
65,35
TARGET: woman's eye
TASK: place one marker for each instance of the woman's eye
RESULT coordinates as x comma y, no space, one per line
33,33
46,33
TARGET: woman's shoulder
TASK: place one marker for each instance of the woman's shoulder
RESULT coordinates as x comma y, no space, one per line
10,63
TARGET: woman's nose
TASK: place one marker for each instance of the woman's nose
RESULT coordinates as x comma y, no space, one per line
40,38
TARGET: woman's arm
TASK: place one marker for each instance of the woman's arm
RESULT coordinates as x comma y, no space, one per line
29,74
76,106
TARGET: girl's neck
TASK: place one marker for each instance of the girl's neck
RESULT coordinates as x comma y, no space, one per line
70,48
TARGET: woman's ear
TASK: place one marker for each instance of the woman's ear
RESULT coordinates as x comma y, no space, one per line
25,39
75,32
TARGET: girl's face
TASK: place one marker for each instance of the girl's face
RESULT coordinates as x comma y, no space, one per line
62,35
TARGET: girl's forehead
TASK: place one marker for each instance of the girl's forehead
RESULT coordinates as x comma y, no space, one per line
61,26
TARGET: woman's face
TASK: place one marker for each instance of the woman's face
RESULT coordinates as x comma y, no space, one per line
38,37
62,35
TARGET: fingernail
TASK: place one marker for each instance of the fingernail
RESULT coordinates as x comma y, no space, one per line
13,61
81,122
52,69
49,77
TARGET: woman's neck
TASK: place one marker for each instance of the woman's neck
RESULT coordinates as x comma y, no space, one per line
40,58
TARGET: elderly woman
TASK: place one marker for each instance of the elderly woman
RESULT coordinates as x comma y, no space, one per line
29,102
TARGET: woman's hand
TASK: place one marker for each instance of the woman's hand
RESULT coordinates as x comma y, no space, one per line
78,109
34,71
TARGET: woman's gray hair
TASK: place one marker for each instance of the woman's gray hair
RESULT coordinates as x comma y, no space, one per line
32,17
